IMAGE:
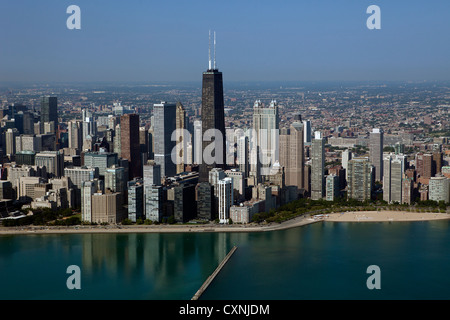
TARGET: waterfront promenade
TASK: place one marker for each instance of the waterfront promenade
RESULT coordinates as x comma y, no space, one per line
354,216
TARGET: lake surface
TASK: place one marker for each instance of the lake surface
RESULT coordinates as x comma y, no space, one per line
319,261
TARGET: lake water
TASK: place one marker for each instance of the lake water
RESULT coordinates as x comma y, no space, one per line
319,261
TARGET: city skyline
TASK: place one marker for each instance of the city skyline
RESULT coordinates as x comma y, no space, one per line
140,165
324,41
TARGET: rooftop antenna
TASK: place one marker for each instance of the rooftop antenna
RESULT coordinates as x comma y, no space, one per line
214,50
209,51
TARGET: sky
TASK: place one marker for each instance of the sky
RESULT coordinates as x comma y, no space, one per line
257,40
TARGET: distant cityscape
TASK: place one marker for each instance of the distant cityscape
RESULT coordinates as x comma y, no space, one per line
107,151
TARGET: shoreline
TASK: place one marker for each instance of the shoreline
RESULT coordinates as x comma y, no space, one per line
353,216
211,227
385,216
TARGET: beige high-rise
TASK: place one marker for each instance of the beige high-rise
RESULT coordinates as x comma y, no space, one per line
292,154
181,138
107,208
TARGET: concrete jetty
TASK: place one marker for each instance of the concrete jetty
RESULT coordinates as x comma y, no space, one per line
213,275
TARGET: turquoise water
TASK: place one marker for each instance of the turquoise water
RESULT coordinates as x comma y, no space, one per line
318,261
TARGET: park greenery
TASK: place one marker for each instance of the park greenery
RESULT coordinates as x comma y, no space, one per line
312,207
71,217
45,217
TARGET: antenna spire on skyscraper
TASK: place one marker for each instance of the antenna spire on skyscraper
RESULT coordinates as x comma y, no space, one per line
209,50
214,50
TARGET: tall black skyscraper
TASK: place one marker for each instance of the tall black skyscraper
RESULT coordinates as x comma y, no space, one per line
129,143
212,118
49,110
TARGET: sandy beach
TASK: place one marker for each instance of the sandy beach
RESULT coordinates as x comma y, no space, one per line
357,216
380,216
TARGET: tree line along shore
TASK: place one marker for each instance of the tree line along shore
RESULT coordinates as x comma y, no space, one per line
299,208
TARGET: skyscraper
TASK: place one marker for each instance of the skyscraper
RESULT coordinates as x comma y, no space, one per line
346,157
165,126
243,155
197,142
75,134
317,167
376,152
182,139
152,174
360,179
215,175
49,110
89,125
225,197
437,161
143,144
10,141
205,200
407,189
117,142
266,124
332,187
439,189
53,161
153,203
292,153
129,141
307,132
394,168
135,200
213,117
107,208
115,179
100,160
153,191
184,207
87,190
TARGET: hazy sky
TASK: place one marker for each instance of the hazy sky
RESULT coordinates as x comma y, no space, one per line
256,40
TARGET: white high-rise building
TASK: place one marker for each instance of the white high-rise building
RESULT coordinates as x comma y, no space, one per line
346,157
78,175
153,202
243,155
439,189
198,157
89,126
135,190
225,195
152,191
215,175
28,142
87,190
10,141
